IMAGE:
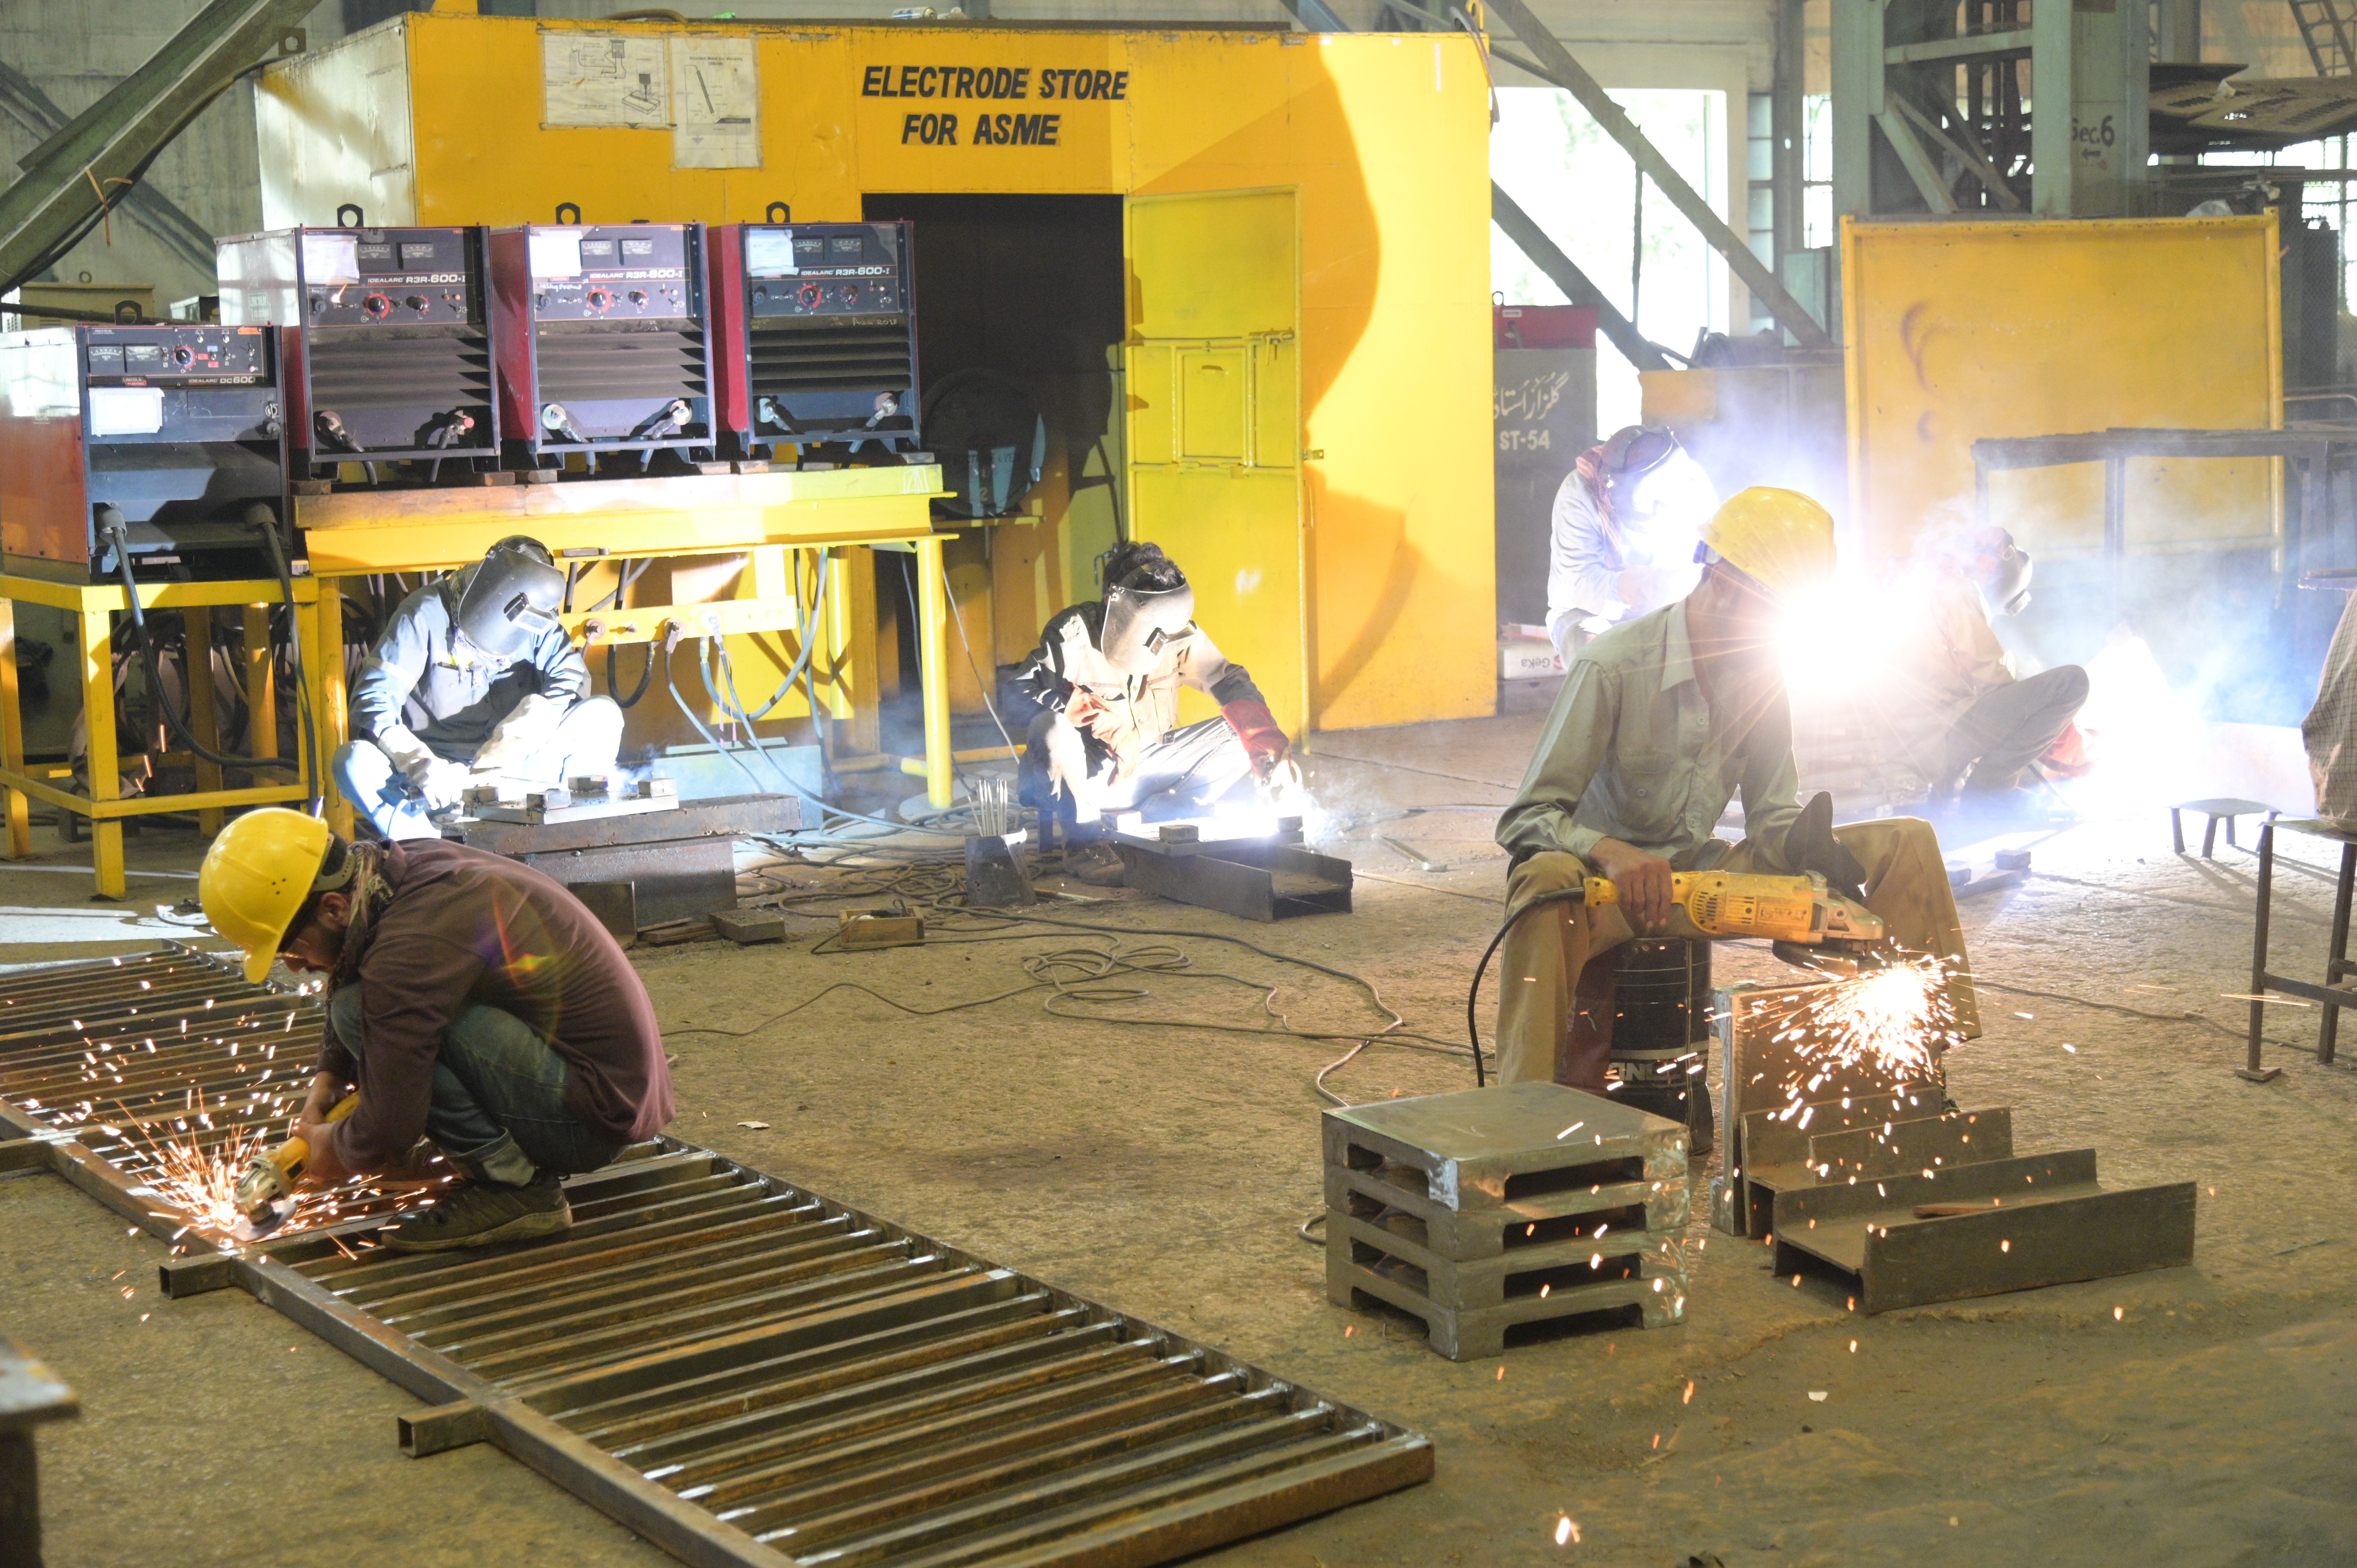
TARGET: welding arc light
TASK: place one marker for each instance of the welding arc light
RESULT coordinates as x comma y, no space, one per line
554,417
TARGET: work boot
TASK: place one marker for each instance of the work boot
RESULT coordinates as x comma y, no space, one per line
1099,864
477,1213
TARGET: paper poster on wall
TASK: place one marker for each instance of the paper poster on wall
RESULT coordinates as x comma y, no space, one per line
604,78
715,98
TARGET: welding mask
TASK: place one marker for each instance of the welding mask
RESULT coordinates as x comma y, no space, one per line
2005,576
1627,460
509,598
1139,622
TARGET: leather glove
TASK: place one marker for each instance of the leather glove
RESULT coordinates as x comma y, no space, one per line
442,784
515,745
1810,845
1068,770
1254,725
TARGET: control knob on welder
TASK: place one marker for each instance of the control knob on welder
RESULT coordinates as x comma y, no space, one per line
418,303
182,354
318,303
811,294
598,299
638,297
377,304
849,293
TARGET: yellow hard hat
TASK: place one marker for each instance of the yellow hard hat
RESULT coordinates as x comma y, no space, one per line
256,875
1781,540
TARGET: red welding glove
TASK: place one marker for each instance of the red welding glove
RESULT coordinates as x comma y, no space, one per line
1256,727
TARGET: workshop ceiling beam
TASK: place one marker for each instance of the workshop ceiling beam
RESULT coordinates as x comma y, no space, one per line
89,165
1555,64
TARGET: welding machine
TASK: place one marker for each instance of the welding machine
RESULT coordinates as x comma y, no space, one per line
815,334
387,353
168,437
601,334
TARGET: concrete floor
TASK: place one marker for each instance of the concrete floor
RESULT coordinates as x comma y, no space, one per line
2190,1416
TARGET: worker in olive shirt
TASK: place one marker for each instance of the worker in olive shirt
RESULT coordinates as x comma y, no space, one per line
1660,721
472,1000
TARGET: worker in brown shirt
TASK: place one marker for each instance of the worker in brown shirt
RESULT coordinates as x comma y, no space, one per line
472,1000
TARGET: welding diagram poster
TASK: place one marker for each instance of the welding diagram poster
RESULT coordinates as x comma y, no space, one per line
605,79
715,97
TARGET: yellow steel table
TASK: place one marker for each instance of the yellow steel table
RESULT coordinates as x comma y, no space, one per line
95,606
760,515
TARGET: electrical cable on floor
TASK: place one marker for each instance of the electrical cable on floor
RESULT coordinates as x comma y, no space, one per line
1472,993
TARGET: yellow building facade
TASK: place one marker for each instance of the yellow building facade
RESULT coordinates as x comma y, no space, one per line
1245,273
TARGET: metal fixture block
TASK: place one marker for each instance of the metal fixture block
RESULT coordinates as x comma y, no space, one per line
1465,1335
1389,1195
746,927
1252,879
1480,1284
1499,1147
1848,1144
2038,1220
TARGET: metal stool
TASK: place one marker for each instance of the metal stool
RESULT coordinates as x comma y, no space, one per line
2224,810
1661,1024
2331,996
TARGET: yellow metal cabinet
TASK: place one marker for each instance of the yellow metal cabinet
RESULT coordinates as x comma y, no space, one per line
1306,217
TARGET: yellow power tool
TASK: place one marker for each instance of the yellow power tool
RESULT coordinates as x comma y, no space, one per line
272,1178
1800,909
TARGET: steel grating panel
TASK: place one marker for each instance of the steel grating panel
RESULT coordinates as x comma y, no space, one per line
739,1370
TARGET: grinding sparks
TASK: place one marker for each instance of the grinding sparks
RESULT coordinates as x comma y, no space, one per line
1895,1018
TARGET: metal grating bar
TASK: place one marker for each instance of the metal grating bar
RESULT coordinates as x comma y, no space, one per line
739,1370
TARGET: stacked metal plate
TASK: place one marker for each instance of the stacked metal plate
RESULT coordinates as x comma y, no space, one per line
1499,1209
1857,1170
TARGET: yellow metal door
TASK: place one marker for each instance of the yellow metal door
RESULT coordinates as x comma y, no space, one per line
1214,385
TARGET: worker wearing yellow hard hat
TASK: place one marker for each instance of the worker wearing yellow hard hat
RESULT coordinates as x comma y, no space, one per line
472,1000
1662,721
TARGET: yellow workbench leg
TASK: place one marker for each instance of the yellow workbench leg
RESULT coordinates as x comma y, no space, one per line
105,767
852,645
261,686
933,661
329,703
203,717
11,738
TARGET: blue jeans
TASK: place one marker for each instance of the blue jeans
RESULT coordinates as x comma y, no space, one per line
498,1109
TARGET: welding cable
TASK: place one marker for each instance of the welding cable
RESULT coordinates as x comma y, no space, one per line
613,681
1473,993
670,642
967,643
737,709
111,527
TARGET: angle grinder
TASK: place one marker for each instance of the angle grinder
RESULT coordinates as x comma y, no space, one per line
271,1179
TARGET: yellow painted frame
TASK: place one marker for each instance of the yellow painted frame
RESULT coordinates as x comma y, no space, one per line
92,604
1958,331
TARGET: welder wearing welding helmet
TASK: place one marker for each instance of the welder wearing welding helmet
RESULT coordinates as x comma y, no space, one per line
472,680
1105,680
1625,520
1660,722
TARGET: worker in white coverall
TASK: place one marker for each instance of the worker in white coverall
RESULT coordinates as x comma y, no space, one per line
1660,723
1106,678
1626,521
473,680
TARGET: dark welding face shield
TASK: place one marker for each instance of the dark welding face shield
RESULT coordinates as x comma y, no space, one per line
1138,623
2005,576
509,598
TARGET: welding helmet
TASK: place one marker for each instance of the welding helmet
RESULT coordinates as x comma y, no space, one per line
1140,619
2004,571
509,598
1626,460
255,878
1781,540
